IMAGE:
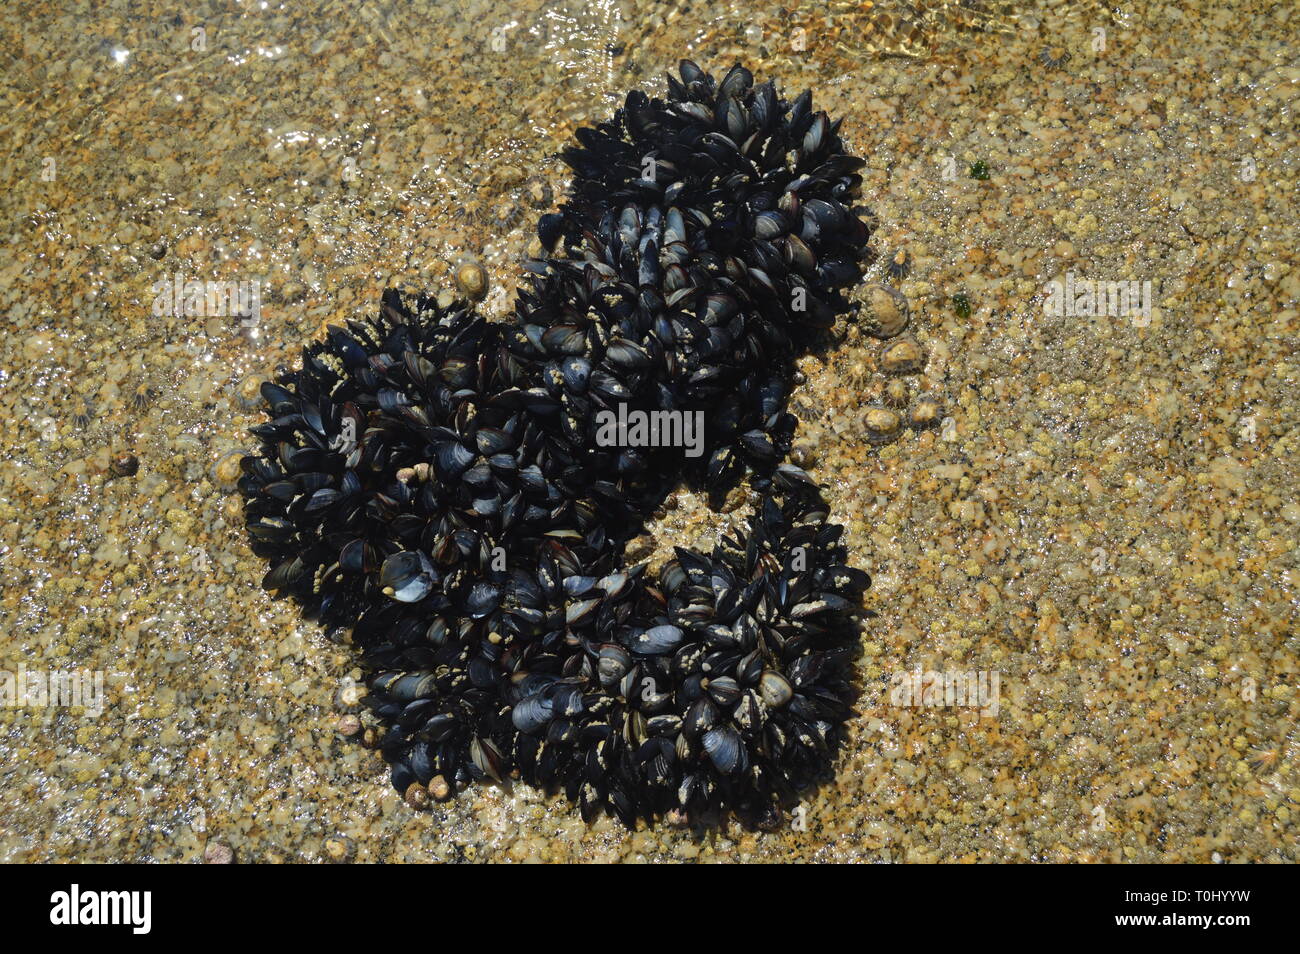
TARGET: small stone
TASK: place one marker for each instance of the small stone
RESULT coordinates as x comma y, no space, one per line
125,466
349,725
215,853
804,454
439,789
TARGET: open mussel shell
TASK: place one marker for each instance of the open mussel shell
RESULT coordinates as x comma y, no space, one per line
407,577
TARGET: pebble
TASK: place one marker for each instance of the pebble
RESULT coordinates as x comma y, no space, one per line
439,790
128,465
215,853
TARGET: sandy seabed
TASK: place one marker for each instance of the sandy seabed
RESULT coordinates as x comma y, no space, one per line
1105,517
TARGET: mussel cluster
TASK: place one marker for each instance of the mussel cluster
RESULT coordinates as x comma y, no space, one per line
433,481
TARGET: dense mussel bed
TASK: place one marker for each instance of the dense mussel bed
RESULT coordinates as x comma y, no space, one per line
432,480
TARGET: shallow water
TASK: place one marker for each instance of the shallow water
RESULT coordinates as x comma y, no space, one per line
1106,518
